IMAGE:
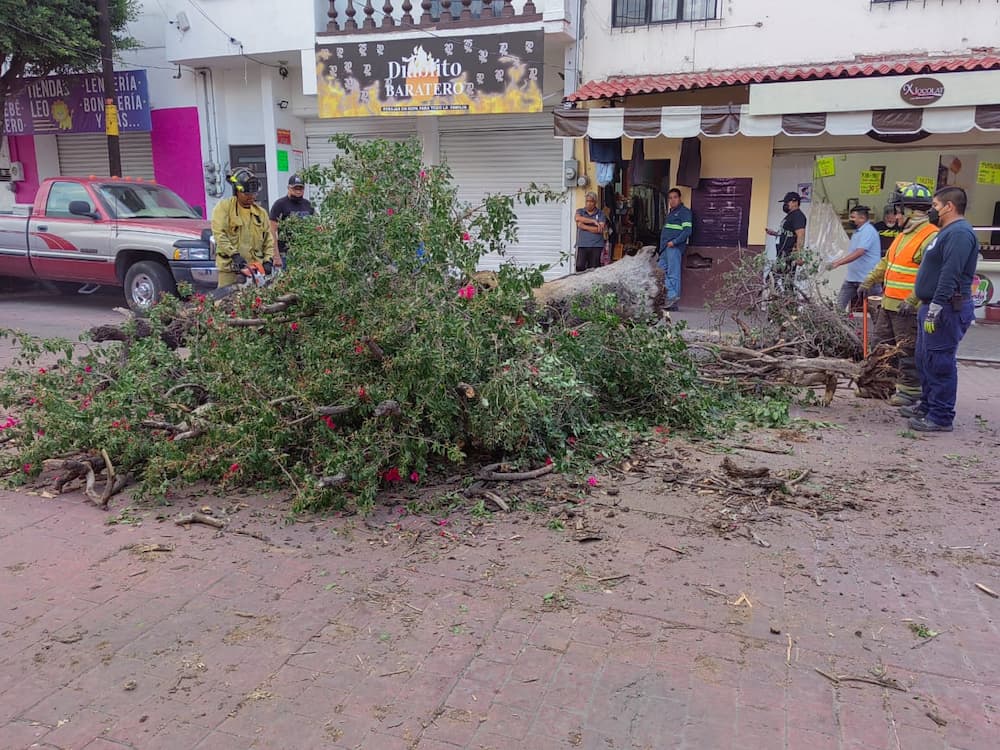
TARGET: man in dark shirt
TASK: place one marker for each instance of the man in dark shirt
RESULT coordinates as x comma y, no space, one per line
293,204
944,286
791,237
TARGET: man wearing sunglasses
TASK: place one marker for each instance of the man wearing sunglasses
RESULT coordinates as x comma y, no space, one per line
293,204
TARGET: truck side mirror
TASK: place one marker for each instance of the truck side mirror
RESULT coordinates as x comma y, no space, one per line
82,208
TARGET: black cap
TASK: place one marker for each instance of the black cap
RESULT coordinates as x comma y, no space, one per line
791,197
295,181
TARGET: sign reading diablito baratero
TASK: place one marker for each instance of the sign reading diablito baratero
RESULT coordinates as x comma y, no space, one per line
474,74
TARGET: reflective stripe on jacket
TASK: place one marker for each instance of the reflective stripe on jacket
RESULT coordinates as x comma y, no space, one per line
901,268
677,228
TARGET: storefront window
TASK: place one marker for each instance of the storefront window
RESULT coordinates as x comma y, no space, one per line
646,12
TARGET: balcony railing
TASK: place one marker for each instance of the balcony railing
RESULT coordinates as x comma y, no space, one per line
433,14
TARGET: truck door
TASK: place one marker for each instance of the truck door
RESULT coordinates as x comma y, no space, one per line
69,247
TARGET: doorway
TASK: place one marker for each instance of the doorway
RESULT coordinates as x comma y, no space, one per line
252,157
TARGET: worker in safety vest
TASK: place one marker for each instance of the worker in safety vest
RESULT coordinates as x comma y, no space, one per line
897,273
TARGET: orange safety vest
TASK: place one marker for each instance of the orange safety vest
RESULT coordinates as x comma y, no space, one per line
901,271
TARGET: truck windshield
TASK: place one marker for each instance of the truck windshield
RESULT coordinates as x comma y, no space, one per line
137,201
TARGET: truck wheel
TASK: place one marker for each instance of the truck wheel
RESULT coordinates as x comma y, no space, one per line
145,282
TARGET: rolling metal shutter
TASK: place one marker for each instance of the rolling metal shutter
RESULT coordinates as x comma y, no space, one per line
503,159
83,155
320,151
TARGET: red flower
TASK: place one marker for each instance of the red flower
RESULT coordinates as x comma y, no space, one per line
329,422
423,174
362,393
467,292
26,468
465,236
574,333
294,327
358,349
548,460
41,370
414,477
32,401
519,321
257,302
392,475
390,211
88,368
682,395
571,440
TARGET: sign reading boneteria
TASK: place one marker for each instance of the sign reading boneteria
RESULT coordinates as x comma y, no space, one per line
475,74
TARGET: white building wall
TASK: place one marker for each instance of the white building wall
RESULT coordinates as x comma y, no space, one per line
752,33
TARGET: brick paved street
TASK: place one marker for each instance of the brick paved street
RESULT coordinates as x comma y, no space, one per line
501,633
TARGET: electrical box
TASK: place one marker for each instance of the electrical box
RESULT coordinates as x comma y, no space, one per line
16,171
571,170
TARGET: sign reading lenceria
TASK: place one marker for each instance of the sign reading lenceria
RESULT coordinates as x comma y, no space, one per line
476,74
921,91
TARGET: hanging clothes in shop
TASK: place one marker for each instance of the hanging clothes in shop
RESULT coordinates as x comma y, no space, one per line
689,166
605,153
635,164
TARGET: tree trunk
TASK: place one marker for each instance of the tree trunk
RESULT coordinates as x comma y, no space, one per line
635,280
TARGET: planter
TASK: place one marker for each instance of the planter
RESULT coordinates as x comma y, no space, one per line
993,313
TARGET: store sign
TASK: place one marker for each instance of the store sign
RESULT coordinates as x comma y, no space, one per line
988,173
75,104
475,74
871,182
921,91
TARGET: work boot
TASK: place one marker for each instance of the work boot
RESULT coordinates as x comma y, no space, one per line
902,399
917,410
923,424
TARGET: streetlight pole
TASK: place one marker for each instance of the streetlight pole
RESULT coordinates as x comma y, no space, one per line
110,97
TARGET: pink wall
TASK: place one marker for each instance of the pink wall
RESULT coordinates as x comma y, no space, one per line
22,149
176,139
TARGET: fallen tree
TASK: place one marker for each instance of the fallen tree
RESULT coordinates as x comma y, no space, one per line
375,358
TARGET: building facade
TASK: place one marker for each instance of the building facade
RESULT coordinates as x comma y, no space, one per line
739,102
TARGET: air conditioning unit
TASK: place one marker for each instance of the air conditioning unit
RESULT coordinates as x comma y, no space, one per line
16,171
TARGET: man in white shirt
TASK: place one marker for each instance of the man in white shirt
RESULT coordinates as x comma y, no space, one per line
863,255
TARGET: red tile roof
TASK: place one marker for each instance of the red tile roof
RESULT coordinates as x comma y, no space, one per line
861,68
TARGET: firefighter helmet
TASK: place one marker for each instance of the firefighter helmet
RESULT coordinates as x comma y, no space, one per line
913,195
244,181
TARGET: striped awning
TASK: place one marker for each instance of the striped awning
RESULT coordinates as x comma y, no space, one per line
685,122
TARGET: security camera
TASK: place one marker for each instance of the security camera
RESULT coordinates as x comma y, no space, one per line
283,71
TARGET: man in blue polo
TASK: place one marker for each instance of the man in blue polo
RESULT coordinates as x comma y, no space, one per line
863,255
673,241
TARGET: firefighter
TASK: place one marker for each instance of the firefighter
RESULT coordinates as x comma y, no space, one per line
242,231
897,273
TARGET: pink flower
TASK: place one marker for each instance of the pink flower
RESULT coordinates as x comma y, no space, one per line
393,475
548,460
571,440
466,236
257,302
362,393
329,422
294,327
358,349
592,480
26,468
682,395
414,477
233,468
574,333
423,174
390,211
467,292
11,422
40,433
442,522
32,401
88,368
41,370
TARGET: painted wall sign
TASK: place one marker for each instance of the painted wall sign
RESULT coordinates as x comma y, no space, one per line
284,137
475,74
75,104
921,91
721,208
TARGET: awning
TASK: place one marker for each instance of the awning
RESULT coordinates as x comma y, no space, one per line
685,122
863,67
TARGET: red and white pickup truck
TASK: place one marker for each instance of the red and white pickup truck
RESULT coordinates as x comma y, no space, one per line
101,231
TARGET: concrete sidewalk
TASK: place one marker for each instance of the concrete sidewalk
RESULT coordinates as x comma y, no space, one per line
502,632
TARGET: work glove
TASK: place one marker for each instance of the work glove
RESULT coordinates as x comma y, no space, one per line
930,322
238,263
268,267
863,290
